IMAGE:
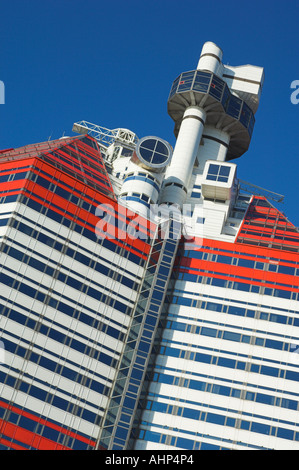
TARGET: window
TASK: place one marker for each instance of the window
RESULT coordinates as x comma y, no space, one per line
200,220
153,151
246,263
208,332
231,336
218,173
196,194
286,270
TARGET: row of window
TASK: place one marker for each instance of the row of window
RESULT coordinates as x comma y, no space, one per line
230,363
264,244
137,197
143,177
91,182
189,444
245,312
9,198
207,82
237,285
86,259
11,379
267,395
180,442
192,248
69,279
82,169
73,253
62,188
78,153
224,420
82,227
88,146
66,339
227,391
64,371
278,236
67,441
52,399
107,299
12,176
229,336
29,322
247,305
242,262
65,308
293,347
57,304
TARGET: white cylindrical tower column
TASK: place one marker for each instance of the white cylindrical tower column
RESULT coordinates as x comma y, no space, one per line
178,173
210,58
215,146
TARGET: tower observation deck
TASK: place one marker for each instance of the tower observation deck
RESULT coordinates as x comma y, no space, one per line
216,103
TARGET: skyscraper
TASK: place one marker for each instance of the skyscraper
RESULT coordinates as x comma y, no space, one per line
149,297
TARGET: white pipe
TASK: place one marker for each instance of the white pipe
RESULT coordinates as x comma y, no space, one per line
210,58
215,146
184,155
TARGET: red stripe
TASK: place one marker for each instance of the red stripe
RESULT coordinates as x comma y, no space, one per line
256,251
146,226
42,421
228,269
28,437
11,445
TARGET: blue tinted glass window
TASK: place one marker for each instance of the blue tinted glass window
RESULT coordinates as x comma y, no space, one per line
225,97
245,115
285,433
149,144
246,263
224,170
153,151
234,107
269,371
286,270
225,362
217,419
245,425
218,173
208,332
231,422
224,259
201,82
231,336
206,446
260,428
213,169
216,88
186,81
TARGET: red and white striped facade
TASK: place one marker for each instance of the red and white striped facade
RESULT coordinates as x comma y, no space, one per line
227,373
66,295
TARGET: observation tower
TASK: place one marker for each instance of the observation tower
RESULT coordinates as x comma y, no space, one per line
213,109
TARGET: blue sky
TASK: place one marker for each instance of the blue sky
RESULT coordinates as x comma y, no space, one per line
113,63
